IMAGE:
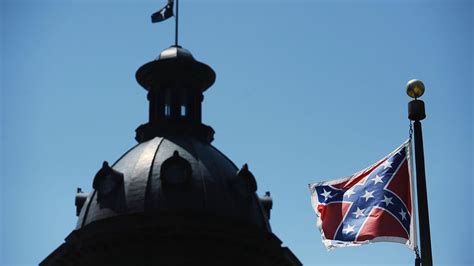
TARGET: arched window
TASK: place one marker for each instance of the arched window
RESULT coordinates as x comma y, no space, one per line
175,170
183,103
167,103
167,110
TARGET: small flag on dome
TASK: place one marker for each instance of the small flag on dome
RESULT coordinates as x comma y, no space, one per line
372,205
164,13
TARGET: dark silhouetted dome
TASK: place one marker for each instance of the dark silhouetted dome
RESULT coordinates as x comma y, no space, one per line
155,183
173,199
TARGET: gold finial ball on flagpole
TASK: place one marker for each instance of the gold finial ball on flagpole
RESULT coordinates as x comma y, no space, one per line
415,88
416,108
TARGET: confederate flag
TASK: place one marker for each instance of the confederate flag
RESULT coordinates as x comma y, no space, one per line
372,205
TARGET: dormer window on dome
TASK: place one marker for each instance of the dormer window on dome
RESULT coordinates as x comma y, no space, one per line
109,186
175,170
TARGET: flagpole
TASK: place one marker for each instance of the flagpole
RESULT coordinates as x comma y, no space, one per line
416,113
176,24
414,224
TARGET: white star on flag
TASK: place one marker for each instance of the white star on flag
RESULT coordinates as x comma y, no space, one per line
386,164
326,194
377,179
387,200
359,212
348,229
403,214
368,195
349,192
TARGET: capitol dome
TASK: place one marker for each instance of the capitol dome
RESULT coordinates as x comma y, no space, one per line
173,199
174,175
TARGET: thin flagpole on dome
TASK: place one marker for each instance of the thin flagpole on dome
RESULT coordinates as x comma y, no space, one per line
176,24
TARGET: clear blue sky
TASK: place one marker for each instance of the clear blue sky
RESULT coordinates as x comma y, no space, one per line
305,91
